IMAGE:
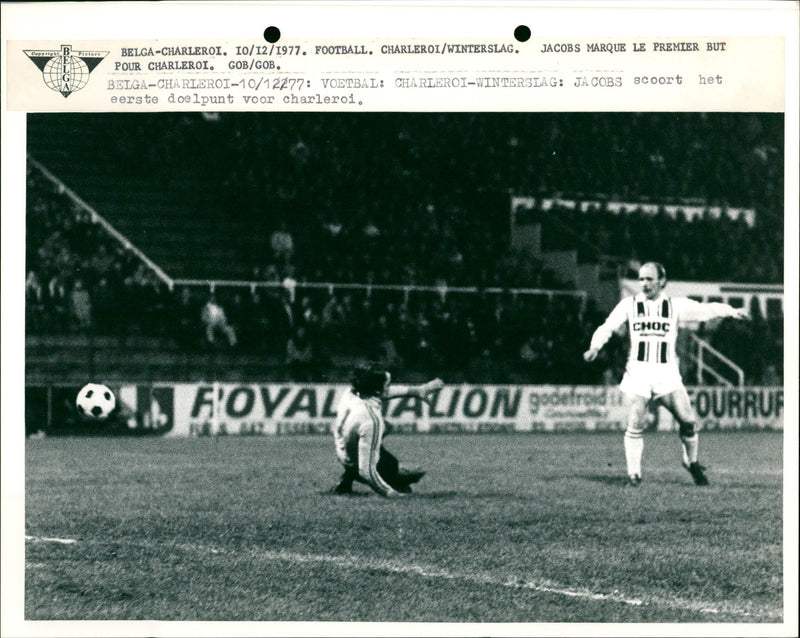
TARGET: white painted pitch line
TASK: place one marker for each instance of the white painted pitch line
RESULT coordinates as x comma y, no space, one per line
366,564
359,563
45,539
434,572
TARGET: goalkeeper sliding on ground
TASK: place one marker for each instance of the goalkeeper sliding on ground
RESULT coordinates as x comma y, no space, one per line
359,430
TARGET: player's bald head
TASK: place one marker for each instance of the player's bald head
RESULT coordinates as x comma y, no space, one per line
652,269
653,278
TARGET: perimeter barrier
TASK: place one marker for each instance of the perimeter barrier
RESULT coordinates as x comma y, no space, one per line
277,409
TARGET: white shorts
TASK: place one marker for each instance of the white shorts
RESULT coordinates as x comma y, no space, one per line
650,380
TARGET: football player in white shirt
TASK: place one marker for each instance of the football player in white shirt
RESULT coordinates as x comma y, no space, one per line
651,372
359,430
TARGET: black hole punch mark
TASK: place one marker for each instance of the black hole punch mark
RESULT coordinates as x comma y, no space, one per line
272,34
522,33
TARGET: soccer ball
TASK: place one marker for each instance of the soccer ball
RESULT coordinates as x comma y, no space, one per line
95,401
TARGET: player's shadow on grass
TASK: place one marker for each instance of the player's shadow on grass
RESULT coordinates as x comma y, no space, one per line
415,495
353,494
467,494
607,479
616,479
432,496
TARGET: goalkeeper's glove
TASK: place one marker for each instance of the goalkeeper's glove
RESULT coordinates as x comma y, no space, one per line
431,386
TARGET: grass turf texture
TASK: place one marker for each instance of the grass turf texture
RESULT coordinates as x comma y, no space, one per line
503,528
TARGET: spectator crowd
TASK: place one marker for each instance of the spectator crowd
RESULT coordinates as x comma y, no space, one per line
80,279
412,200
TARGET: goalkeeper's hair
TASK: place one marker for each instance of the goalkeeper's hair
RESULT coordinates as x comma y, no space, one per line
368,380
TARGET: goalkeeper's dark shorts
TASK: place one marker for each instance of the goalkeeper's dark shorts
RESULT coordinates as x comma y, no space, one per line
389,468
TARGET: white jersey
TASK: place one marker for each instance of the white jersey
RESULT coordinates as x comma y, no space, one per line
358,434
652,366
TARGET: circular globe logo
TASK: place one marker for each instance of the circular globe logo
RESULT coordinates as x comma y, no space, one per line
66,74
65,70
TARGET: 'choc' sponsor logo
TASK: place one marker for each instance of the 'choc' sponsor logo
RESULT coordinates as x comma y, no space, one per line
657,326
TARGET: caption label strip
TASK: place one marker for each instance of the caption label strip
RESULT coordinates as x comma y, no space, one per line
656,74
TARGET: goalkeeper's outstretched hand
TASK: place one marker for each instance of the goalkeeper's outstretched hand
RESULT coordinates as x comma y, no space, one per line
431,386
418,391
427,388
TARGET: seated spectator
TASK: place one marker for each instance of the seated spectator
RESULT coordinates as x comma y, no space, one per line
105,307
387,349
80,306
183,320
300,355
282,244
58,304
216,323
34,303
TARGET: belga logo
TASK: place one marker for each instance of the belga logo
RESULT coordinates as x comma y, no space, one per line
66,70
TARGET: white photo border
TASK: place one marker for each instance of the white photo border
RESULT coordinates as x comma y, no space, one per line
318,20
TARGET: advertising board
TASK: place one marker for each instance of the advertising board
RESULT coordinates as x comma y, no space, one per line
290,408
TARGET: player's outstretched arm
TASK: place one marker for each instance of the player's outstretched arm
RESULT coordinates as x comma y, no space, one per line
590,355
420,391
691,310
614,321
431,386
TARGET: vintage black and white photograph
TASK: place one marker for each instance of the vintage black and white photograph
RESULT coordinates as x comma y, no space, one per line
262,304
449,368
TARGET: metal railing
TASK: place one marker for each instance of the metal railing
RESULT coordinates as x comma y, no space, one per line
99,219
702,354
406,289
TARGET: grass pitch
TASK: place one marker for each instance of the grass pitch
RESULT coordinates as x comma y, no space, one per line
503,529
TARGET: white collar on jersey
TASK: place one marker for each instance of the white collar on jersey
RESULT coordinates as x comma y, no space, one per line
373,399
641,297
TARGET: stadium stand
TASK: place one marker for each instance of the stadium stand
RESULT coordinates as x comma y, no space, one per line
416,201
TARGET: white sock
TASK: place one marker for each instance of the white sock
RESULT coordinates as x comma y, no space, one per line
690,444
634,446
